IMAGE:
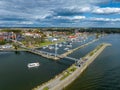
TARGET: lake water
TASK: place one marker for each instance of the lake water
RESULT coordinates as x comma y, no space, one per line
104,72
15,75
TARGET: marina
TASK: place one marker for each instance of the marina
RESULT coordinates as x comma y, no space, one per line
46,68
55,53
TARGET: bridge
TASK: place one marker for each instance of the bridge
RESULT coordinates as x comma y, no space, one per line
49,55
71,58
54,56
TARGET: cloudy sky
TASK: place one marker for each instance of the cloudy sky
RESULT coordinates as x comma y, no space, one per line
59,13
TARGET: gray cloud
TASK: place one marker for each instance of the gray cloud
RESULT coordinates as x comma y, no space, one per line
105,19
71,11
107,10
50,12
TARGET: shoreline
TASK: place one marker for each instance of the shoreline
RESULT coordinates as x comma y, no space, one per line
49,56
58,84
11,50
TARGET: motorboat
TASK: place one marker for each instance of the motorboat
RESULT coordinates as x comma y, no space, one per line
56,48
69,45
44,47
51,47
30,65
60,45
66,49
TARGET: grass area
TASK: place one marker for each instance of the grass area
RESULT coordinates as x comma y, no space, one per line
91,53
65,75
46,88
95,50
46,43
72,69
68,72
41,44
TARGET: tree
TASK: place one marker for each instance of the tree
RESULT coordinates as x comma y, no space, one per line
16,46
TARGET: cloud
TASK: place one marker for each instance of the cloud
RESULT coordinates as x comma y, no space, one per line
70,11
16,22
25,22
53,12
106,10
105,19
70,18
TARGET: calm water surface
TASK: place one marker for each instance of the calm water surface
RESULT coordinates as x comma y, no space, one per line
15,75
104,72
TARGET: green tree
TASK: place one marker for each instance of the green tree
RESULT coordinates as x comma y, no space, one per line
16,46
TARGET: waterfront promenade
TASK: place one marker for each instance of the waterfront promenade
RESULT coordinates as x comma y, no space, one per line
58,84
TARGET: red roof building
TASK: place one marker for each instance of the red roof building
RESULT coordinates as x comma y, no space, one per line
72,37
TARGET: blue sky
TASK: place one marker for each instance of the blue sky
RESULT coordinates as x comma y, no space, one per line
59,13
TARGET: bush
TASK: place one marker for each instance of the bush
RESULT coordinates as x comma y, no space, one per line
46,88
91,53
65,75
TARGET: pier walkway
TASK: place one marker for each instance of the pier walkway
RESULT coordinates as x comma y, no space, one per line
51,55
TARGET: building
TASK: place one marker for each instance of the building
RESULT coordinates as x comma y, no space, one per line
72,37
7,36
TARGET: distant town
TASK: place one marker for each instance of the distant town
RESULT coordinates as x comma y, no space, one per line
38,37
35,37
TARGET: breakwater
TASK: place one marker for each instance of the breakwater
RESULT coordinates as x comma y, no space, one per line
58,84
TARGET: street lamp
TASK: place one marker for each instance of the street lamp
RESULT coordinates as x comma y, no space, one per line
55,50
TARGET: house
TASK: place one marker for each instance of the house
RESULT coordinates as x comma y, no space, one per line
52,39
72,37
7,35
30,34
7,46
